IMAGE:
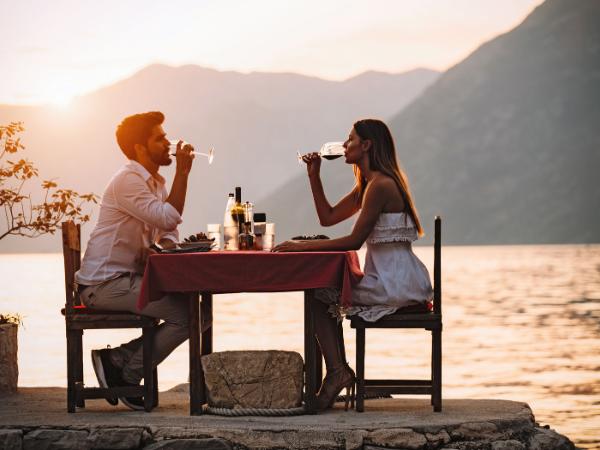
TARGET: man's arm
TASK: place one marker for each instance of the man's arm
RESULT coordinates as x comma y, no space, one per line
184,158
133,196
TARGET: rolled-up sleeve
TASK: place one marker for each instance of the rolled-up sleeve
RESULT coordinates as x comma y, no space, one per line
170,235
133,196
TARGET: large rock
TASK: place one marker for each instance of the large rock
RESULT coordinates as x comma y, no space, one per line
9,370
476,430
56,440
11,439
115,438
439,438
398,438
190,444
299,439
510,444
253,379
548,439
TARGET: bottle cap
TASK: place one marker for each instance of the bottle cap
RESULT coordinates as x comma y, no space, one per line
260,217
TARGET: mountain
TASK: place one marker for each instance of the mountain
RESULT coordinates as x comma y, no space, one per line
505,145
256,123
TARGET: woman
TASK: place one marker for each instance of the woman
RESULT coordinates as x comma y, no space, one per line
388,221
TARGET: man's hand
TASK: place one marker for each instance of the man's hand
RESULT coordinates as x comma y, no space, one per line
167,244
184,157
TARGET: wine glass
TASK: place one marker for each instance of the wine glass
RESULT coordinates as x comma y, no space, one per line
329,150
210,155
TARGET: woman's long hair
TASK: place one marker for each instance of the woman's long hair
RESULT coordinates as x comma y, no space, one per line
382,158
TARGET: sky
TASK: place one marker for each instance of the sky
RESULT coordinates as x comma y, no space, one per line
51,51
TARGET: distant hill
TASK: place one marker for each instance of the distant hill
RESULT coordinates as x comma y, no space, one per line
505,145
256,122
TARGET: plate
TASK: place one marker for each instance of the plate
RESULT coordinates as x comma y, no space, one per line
187,250
196,244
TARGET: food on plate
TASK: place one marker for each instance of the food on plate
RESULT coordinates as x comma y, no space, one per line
197,237
312,237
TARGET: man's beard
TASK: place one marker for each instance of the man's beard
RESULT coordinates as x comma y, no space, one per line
160,159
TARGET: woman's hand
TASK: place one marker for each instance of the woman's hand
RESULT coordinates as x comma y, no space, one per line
290,246
313,163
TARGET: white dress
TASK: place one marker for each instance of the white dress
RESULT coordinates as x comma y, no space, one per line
394,276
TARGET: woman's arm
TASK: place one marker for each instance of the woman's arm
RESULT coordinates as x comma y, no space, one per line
328,215
375,198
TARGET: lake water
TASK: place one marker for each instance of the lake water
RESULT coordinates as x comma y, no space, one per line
520,323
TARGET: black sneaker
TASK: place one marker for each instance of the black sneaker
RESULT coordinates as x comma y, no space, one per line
105,371
135,403
112,377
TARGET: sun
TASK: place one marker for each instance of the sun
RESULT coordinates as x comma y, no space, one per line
60,101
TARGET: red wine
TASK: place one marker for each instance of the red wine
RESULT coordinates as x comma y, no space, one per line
330,157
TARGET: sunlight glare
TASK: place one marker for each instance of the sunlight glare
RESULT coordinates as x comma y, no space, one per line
60,101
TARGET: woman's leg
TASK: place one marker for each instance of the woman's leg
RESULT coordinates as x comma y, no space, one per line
331,341
329,337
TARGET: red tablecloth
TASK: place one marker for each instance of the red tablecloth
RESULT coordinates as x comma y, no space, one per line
226,272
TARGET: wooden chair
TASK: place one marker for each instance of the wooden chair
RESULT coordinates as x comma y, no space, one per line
431,321
79,318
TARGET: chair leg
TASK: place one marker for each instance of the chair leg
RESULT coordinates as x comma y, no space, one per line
79,368
149,380
437,370
360,369
432,368
71,370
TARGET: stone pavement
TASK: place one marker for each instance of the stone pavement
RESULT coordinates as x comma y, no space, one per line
37,418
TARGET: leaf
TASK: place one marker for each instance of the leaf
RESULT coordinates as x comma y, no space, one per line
48,184
37,219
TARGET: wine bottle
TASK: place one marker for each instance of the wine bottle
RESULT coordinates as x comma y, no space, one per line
230,228
249,214
237,211
246,238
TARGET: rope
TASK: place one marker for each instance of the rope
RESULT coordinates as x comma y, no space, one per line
266,412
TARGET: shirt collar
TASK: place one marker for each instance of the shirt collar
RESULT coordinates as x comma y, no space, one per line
137,167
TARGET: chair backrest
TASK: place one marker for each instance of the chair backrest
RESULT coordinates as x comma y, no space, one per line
71,239
437,267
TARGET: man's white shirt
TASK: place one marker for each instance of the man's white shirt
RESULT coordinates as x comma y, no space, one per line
134,214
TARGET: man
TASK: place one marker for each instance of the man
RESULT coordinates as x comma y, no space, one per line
135,212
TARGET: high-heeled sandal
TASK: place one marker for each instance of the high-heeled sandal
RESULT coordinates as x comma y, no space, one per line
350,396
333,384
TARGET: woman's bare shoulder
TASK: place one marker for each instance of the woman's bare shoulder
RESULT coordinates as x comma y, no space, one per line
383,182
386,189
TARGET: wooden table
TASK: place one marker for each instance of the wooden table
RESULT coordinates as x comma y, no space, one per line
201,275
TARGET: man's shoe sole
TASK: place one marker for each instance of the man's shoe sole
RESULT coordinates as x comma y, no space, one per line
99,370
133,406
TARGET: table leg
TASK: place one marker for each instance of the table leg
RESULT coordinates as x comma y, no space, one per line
196,374
206,322
310,353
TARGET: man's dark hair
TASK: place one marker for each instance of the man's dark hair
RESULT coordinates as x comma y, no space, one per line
137,129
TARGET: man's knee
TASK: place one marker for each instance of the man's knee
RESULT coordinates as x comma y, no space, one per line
178,311
172,309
